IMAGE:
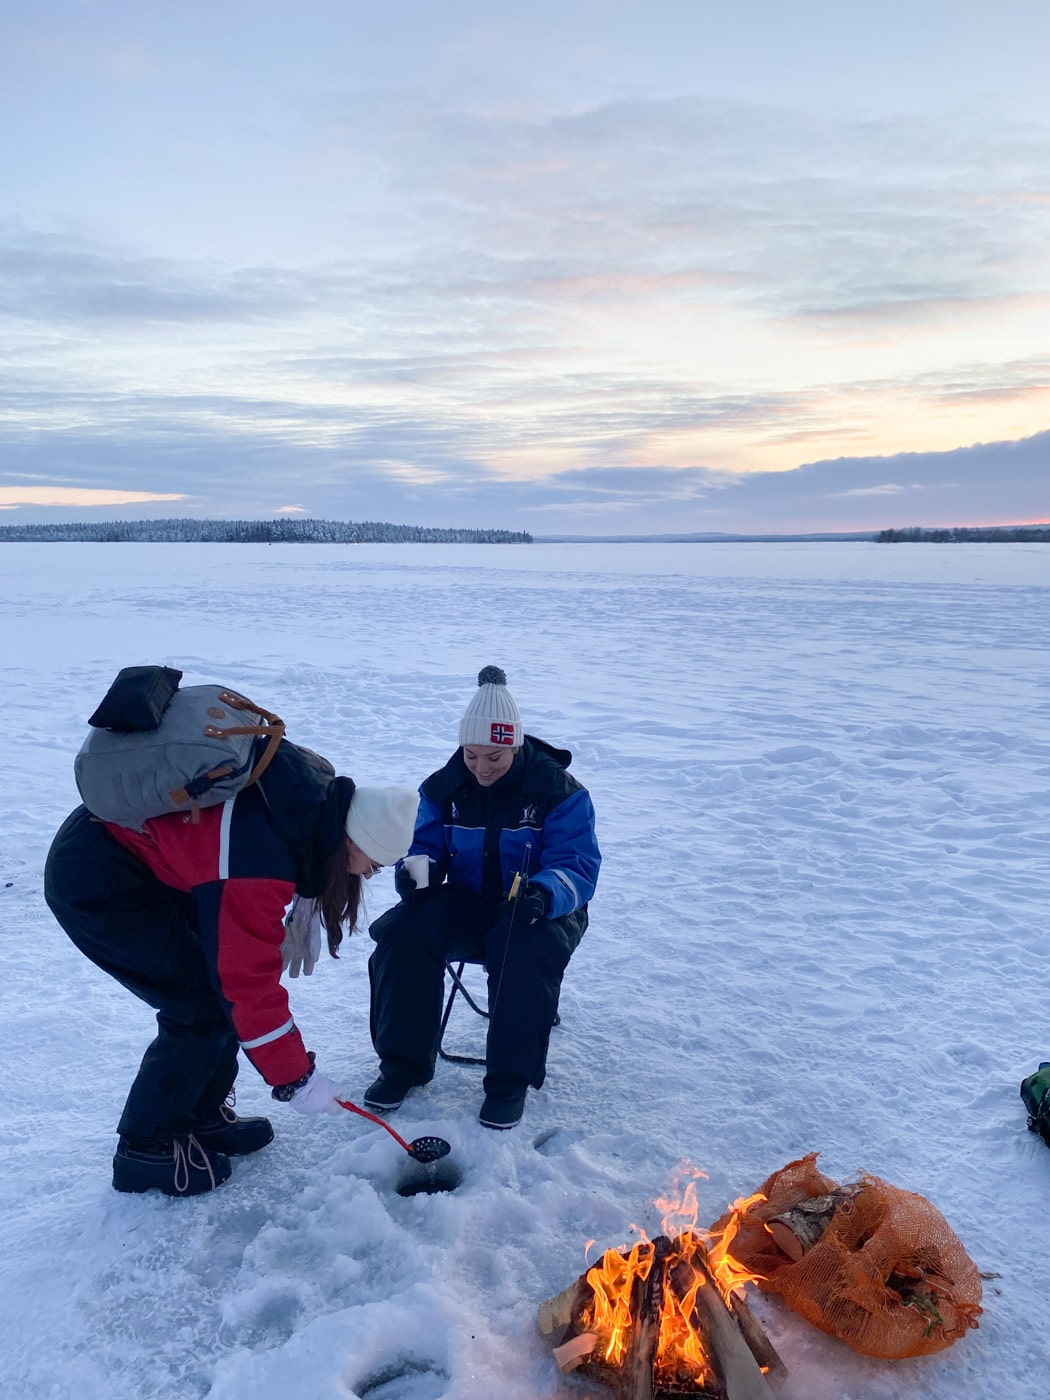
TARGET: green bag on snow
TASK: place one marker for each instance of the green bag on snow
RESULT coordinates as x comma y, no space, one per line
1035,1093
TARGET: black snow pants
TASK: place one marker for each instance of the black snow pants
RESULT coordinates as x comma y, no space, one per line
524,963
144,934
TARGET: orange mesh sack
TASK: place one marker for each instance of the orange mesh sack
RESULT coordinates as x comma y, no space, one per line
888,1275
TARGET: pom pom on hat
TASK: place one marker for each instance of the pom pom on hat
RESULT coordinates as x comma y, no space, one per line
381,821
492,717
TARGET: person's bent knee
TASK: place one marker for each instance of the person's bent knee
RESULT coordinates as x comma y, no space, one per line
400,922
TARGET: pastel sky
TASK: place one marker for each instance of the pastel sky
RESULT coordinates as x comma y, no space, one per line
583,266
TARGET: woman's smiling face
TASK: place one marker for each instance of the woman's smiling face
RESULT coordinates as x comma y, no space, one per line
488,764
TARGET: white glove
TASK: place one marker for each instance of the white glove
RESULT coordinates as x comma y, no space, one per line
318,1095
302,940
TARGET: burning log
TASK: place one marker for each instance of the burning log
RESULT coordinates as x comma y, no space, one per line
741,1375
575,1352
558,1317
643,1338
759,1345
558,1312
654,1323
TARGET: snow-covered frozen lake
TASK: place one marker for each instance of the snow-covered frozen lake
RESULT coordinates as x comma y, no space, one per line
822,778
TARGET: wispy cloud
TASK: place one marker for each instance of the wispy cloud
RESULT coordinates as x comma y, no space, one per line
677,199
693,197
59,281
888,489
12,496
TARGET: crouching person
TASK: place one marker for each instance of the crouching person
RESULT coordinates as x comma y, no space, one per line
189,916
503,803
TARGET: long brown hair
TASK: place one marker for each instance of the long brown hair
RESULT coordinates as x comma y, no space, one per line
340,898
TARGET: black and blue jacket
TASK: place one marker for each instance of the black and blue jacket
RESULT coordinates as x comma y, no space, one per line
536,818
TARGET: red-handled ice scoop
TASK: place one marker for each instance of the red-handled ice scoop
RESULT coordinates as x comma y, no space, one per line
423,1149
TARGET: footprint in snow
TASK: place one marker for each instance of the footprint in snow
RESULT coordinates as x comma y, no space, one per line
406,1378
555,1140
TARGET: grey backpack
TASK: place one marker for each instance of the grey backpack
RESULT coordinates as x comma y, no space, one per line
154,749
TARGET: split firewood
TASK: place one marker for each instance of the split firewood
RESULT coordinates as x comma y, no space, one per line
733,1345
739,1372
559,1317
558,1313
762,1349
574,1352
797,1230
639,1362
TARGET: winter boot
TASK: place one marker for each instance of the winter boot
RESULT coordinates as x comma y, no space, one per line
385,1095
502,1110
177,1166
232,1135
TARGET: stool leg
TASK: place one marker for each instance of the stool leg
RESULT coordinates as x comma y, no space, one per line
457,986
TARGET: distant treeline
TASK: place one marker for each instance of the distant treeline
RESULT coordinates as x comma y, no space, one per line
964,534
257,532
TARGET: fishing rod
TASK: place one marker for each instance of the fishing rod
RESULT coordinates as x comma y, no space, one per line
521,874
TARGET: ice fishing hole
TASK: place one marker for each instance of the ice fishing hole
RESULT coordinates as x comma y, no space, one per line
417,1179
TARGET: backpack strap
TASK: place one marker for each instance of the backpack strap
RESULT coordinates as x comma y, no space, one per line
272,730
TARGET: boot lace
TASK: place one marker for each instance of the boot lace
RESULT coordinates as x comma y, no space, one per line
226,1112
190,1156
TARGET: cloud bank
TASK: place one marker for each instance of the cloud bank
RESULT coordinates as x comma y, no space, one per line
241,473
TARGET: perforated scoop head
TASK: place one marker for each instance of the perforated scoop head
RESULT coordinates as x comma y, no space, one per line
429,1149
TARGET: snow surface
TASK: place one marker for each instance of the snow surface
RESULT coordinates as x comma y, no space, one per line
822,777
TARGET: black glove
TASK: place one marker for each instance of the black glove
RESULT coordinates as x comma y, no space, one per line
404,884
534,903
407,888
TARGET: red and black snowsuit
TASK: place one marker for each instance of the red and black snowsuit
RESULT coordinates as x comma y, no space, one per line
189,916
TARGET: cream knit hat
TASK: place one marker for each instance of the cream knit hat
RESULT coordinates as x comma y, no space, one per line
381,821
492,718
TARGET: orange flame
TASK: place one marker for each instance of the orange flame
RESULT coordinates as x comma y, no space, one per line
729,1273
612,1281
680,1355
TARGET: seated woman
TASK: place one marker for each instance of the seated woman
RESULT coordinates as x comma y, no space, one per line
503,804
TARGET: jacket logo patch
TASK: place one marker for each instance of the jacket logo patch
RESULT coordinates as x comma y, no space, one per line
528,814
455,813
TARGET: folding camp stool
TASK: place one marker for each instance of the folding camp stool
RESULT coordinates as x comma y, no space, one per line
454,966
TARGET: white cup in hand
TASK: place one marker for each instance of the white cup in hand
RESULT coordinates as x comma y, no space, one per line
419,868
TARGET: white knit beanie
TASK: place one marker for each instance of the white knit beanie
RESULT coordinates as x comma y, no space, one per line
381,821
492,717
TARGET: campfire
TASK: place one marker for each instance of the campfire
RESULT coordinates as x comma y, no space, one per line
667,1317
